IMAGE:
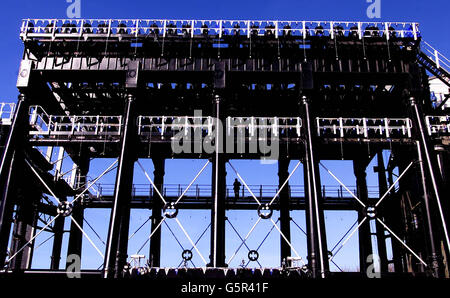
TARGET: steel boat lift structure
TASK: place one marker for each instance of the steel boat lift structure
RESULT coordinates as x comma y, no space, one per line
122,89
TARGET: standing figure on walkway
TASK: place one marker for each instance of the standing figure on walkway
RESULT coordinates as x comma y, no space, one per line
236,188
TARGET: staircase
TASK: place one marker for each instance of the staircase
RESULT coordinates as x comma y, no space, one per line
435,62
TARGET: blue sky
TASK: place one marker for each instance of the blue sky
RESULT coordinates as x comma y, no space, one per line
432,15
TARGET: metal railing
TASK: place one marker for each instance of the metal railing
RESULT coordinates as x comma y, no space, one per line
7,113
171,125
168,126
198,191
438,125
438,58
364,127
52,28
43,124
283,127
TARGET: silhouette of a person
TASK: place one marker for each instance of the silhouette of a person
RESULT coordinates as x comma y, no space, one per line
236,188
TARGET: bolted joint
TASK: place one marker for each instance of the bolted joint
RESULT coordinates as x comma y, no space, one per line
22,97
265,211
412,101
370,212
305,100
131,97
187,255
65,209
253,255
170,210
217,99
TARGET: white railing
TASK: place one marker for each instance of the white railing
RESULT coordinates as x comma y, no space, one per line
52,28
63,125
438,125
7,113
283,127
364,127
245,126
170,125
438,58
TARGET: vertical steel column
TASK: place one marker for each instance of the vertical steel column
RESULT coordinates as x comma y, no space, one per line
58,225
316,238
76,236
24,227
392,212
6,210
432,167
285,217
219,174
11,154
365,241
217,250
116,247
58,230
435,259
16,130
218,213
155,242
381,238
444,166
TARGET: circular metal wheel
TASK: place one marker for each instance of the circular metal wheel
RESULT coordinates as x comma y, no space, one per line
187,255
253,255
65,208
170,210
264,211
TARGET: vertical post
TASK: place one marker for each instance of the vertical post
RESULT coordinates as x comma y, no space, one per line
116,247
74,246
15,132
6,209
11,154
285,217
24,227
444,167
393,219
58,226
365,241
58,230
316,238
218,194
217,250
157,205
381,238
434,258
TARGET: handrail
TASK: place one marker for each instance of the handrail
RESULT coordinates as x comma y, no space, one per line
45,124
438,58
204,191
361,127
162,124
438,125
